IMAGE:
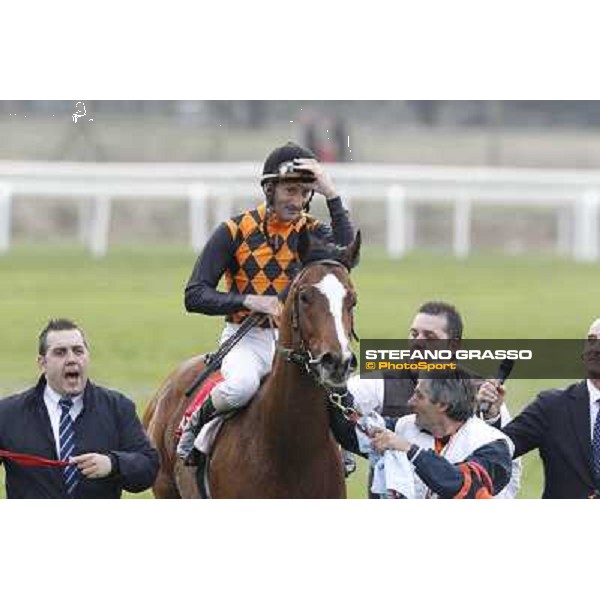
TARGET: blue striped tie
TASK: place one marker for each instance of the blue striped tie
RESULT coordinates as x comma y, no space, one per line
66,434
596,448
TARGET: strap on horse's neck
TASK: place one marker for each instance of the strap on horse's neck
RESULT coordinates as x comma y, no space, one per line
302,356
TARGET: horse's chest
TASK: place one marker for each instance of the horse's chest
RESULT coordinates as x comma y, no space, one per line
253,472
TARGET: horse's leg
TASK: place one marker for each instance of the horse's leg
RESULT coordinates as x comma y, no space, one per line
155,422
161,420
185,479
165,487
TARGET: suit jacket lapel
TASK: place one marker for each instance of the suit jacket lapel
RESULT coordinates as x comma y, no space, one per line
579,409
37,405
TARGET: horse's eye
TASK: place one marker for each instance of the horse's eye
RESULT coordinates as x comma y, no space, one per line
304,297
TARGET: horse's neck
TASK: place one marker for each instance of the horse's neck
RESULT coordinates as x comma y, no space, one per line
295,411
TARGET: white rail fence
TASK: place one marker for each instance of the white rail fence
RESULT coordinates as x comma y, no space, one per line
574,194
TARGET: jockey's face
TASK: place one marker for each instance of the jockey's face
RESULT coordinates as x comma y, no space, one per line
289,199
66,362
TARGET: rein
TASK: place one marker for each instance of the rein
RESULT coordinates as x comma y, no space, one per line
305,360
31,460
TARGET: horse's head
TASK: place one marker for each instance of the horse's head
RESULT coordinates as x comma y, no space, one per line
319,309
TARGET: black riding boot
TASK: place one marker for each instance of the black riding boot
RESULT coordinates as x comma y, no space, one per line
186,448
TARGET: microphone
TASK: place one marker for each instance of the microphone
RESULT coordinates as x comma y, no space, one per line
504,370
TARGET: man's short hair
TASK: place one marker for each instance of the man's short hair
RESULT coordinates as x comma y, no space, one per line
454,323
56,325
456,392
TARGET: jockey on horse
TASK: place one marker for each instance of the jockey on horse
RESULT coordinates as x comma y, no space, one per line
257,253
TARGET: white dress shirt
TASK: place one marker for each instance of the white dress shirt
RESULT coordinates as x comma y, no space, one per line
51,399
594,393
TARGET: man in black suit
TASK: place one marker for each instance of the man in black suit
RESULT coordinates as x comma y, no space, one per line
563,425
93,430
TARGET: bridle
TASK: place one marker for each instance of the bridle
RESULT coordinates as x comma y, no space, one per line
300,353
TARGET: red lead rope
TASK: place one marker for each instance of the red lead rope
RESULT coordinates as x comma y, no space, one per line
30,460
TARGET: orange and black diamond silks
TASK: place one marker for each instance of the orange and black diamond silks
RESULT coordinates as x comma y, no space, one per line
265,258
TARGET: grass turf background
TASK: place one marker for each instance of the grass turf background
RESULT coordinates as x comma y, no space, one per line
131,306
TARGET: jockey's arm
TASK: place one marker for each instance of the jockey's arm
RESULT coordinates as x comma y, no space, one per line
201,295
341,231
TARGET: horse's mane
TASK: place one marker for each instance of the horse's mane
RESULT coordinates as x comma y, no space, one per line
313,249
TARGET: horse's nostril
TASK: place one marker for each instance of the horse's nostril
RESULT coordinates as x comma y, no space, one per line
337,366
327,360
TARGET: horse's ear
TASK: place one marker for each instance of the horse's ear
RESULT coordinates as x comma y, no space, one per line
351,254
304,246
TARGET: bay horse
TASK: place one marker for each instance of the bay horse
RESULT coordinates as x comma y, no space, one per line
280,445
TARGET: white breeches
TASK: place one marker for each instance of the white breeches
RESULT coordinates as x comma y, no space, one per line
242,369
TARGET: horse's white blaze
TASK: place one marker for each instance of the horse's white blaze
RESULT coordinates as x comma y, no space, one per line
335,293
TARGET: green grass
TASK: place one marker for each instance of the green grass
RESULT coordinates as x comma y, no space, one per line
131,306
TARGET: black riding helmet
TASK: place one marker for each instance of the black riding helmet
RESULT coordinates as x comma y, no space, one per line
280,165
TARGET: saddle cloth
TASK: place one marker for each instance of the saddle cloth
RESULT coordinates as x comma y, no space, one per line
197,401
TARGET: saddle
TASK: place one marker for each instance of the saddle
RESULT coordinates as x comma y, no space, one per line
214,425
198,400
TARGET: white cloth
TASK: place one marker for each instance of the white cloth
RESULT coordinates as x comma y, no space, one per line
243,367
392,470
368,397
206,438
474,434
594,393
51,399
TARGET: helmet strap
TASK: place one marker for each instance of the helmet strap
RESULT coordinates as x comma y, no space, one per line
269,191
306,206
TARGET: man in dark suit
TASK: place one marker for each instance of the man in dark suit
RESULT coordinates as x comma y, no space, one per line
563,424
93,430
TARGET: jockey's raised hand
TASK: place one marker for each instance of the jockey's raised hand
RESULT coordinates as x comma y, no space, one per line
323,183
269,305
